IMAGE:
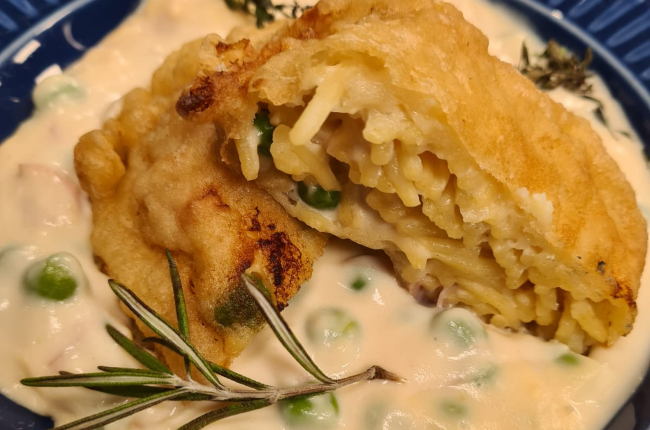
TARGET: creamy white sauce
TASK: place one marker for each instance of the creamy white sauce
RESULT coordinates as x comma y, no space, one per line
501,381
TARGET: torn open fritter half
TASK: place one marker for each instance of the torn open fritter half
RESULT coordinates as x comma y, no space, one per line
395,128
155,182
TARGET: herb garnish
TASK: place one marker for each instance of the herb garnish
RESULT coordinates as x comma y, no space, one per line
265,11
556,67
157,383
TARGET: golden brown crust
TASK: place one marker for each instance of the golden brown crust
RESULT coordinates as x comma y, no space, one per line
155,182
485,121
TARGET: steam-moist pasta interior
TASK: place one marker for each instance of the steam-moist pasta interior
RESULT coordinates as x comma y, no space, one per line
453,232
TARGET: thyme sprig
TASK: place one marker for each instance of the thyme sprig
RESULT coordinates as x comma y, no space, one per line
556,67
265,11
156,383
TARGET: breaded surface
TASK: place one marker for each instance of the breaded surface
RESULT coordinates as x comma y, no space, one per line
156,181
533,223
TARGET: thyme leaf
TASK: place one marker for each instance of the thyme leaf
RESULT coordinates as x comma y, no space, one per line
265,11
557,67
156,383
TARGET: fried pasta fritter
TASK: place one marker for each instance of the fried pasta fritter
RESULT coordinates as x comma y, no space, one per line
483,191
156,181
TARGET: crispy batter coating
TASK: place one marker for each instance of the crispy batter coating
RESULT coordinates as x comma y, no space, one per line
156,181
532,224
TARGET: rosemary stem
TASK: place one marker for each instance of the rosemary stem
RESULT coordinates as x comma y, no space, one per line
374,372
275,394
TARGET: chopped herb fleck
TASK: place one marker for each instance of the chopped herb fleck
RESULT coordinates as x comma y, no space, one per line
238,308
625,133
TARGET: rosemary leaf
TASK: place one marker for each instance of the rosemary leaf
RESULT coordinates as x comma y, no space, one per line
282,330
136,351
130,371
162,342
236,377
110,379
125,410
126,391
225,412
181,309
219,370
139,392
163,329
179,298
135,391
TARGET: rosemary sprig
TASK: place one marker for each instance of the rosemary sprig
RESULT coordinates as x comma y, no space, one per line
156,383
181,310
265,11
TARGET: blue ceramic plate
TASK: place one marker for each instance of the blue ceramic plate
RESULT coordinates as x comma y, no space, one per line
59,31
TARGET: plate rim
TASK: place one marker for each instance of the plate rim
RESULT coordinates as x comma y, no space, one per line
40,26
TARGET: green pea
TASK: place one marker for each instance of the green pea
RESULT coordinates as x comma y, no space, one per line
484,377
53,278
459,326
318,412
568,359
379,417
462,331
359,283
264,132
331,326
317,197
453,409
6,251
374,416
56,88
